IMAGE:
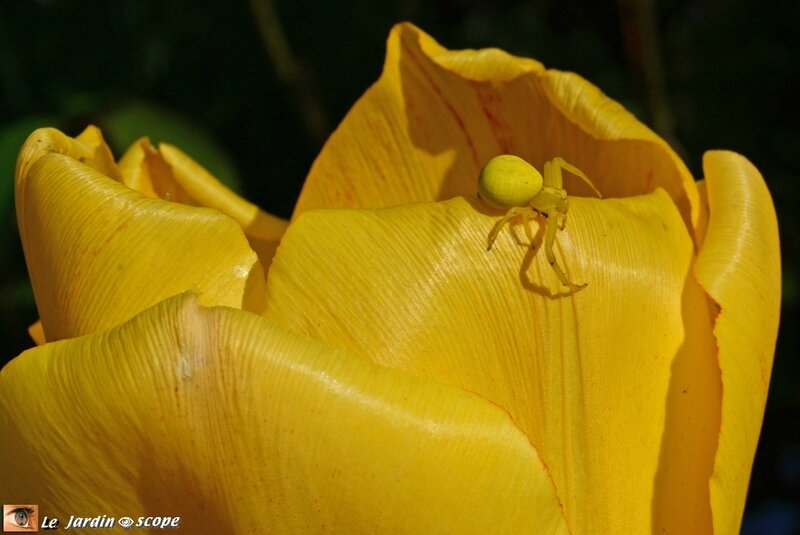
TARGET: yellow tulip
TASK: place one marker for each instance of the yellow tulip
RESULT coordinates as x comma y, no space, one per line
389,374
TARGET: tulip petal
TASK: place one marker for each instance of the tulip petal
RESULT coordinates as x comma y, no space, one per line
99,153
238,426
681,500
610,135
584,374
36,333
435,117
88,148
739,266
168,173
143,169
98,252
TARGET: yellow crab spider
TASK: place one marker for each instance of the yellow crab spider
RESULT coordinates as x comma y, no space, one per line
510,183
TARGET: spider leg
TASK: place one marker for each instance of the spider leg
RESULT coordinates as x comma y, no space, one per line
552,174
549,240
562,219
557,164
511,214
527,216
556,196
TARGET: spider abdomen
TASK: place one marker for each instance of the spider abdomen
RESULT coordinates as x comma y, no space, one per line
507,181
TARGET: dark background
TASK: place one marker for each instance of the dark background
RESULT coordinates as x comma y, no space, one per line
704,74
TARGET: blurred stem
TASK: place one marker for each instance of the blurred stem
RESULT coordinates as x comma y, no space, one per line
643,50
290,72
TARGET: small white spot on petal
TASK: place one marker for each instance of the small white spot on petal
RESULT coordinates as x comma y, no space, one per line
185,368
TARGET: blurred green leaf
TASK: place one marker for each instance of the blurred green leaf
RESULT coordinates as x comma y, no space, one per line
125,124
